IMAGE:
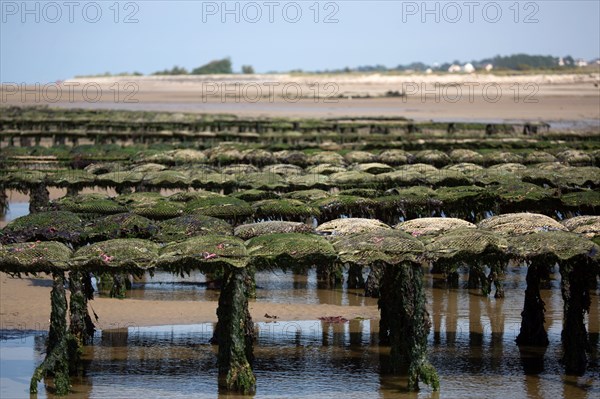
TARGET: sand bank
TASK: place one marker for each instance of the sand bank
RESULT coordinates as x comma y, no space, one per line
483,97
25,305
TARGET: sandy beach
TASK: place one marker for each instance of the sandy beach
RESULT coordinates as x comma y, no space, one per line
552,97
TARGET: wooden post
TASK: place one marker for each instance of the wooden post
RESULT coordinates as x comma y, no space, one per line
355,277
3,201
533,332
81,326
39,198
235,343
56,363
575,276
408,323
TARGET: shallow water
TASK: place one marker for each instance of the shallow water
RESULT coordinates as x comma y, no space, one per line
471,345
15,210
277,287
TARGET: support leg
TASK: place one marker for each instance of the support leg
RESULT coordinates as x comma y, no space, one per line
235,347
81,326
373,281
39,198
576,297
532,331
56,363
409,324
355,277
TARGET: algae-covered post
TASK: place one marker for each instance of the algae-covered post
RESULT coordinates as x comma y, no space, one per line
57,360
403,300
3,200
235,346
575,277
533,332
355,277
404,318
81,326
39,197
577,259
373,281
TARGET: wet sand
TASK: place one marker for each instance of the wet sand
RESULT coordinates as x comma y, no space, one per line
25,305
457,97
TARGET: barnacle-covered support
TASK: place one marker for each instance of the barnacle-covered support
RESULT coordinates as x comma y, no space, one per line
402,303
496,277
329,275
577,258
119,286
478,278
533,332
404,318
73,190
3,200
81,325
115,283
355,277
575,276
235,331
448,268
39,197
56,363
373,282
235,344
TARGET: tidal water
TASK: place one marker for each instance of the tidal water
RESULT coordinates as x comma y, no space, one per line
471,345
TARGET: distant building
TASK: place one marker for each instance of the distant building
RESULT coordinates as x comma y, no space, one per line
488,67
454,68
428,71
561,62
468,68
581,63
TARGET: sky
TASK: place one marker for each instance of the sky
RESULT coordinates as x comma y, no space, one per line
45,41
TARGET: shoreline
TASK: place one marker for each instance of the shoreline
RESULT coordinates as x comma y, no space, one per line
25,305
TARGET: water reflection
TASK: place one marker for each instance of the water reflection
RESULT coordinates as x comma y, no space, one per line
305,359
271,286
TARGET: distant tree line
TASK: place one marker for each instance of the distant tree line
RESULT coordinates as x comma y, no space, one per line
222,66
521,62
516,62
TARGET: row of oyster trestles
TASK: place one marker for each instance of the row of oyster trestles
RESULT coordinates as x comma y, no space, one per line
350,240
438,158
69,228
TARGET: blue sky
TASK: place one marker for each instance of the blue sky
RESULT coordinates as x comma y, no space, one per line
161,34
